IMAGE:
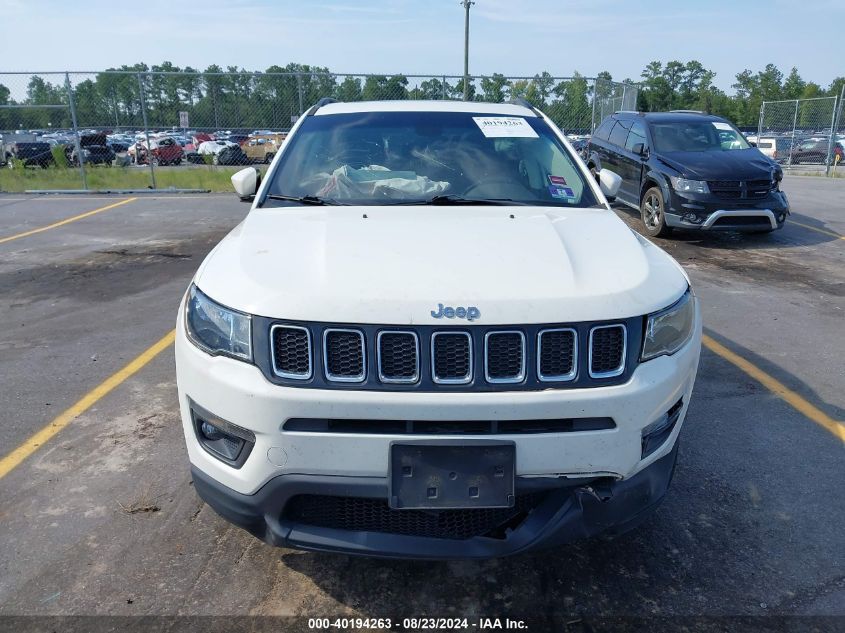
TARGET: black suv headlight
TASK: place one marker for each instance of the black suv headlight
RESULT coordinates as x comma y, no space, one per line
217,329
668,330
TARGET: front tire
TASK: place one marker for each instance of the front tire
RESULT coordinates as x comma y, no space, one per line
653,213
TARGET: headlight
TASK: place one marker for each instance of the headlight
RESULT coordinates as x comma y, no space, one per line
689,186
668,330
216,329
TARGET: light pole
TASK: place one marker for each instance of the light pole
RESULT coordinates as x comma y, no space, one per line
466,4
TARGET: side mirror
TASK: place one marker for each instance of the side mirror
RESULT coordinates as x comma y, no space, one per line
639,149
752,144
245,182
609,182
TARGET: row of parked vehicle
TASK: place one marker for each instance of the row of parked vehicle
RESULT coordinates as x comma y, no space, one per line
818,149
161,148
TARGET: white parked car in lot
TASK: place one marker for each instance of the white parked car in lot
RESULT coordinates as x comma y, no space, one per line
432,338
213,147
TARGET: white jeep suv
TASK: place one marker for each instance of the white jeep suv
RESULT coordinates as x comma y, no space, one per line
432,338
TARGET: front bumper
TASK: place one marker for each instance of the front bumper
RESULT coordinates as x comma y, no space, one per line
708,213
591,480
568,511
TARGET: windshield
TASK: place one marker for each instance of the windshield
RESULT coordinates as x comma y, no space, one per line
697,136
377,158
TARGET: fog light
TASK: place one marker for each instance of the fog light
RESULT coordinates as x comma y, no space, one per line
781,217
211,432
692,218
656,433
225,441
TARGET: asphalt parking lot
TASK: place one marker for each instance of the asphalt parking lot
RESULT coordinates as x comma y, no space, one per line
97,514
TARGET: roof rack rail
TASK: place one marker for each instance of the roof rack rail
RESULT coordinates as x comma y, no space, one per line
320,104
687,111
524,103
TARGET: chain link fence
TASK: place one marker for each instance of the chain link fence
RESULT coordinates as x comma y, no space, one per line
124,130
801,133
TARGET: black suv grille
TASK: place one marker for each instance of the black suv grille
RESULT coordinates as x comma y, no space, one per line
358,514
452,357
505,356
291,351
607,351
738,189
344,351
398,357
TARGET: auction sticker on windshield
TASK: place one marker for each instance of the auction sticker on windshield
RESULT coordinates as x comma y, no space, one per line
504,127
722,126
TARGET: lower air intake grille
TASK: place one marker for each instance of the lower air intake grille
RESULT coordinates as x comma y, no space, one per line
607,351
291,351
356,514
344,355
451,357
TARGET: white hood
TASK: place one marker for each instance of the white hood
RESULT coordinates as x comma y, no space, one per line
394,265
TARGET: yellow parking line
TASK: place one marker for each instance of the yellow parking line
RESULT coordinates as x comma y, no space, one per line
66,221
17,456
778,388
813,228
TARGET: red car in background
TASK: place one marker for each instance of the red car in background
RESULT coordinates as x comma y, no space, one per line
164,150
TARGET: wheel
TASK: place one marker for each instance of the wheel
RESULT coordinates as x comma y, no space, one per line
653,212
268,157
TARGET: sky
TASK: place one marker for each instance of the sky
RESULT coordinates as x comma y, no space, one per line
513,37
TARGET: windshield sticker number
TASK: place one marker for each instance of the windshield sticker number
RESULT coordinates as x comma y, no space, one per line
561,192
504,127
557,180
722,126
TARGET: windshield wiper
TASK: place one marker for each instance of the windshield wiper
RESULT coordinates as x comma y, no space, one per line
454,199
315,200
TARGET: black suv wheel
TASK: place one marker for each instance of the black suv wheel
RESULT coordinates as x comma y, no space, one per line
653,212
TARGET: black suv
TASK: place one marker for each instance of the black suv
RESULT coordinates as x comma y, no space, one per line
689,170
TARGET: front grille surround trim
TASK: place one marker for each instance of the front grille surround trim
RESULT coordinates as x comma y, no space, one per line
522,367
563,377
291,375
618,370
333,377
400,381
471,364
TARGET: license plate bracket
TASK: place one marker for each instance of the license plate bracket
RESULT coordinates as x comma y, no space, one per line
435,475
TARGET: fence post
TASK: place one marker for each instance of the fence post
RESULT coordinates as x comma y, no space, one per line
146,132
760,123
837,121
299,90
595,95
830,152
444,87
79,156
792,143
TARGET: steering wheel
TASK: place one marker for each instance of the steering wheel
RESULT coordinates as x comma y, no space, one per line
500,188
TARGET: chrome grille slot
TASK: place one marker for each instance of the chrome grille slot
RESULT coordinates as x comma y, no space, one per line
291,351
504,356
398,357
451,358
343,355
607,350
557,354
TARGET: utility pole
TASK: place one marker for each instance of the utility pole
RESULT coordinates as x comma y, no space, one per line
466,4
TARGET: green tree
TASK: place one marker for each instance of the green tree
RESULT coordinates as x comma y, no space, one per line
494,88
